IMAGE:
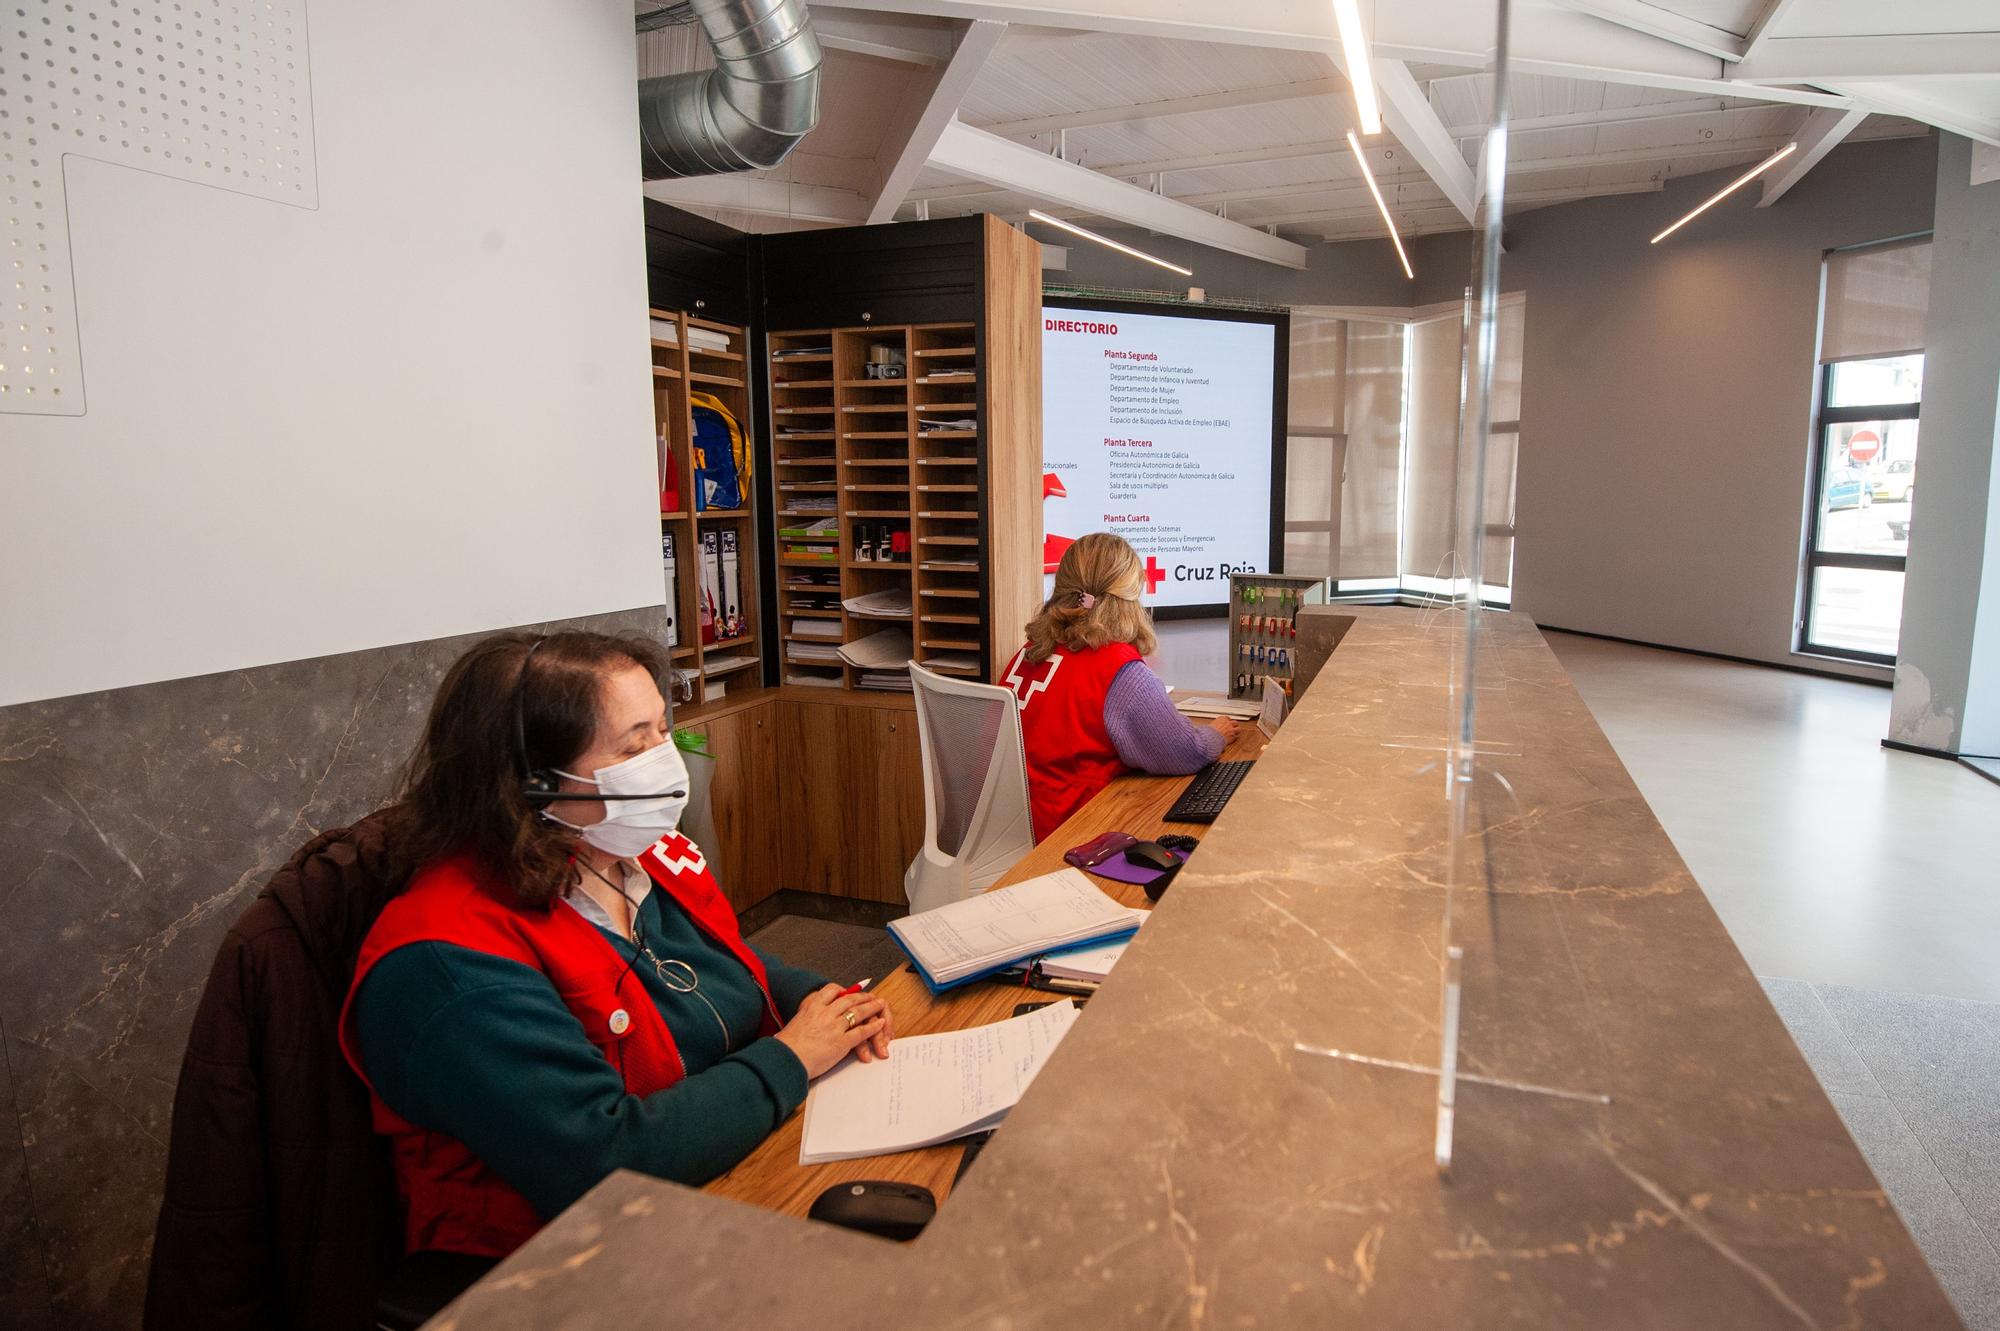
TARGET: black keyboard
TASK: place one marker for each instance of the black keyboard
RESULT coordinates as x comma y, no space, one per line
1208,792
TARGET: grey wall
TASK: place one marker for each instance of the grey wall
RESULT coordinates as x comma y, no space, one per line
1948,667
135,825
1667,399
1668,392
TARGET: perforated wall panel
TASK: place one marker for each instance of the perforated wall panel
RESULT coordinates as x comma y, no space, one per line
213,92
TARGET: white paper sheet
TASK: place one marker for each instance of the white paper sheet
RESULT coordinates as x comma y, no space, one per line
930,1089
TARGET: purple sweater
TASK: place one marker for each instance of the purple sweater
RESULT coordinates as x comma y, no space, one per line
1146,730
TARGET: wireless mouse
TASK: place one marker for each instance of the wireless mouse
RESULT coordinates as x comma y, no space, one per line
891,1210
1151,854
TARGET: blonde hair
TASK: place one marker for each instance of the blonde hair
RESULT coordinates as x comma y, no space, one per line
1107,569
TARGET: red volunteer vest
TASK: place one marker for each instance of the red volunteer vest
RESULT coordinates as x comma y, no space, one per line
1070,754
452,1201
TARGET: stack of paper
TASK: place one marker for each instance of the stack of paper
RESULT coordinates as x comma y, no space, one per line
816,628
1199,706
883,649
890,603
946,424
1091,963
812,681
722,665
957,662
931,1088
819,529
979,935
887,681
707,339
813,653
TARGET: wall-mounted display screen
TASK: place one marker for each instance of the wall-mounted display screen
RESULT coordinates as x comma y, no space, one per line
1164,428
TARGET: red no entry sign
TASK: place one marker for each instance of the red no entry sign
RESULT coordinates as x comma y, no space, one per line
1864,445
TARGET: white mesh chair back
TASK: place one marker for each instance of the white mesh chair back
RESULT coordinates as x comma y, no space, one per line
976,819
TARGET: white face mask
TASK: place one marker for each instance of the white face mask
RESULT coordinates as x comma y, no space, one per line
630,826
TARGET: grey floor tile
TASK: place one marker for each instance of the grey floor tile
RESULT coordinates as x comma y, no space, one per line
1965,1263
1938,1060
844,952
1819,1038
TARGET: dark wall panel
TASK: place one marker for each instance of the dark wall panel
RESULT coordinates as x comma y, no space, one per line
696,265
911,272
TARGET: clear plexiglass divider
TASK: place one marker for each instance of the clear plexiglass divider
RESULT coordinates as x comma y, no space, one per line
1471,747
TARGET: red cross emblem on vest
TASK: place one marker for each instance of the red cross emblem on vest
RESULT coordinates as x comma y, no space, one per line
678,855
1027,678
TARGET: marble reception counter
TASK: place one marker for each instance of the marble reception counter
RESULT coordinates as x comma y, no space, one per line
1179,1164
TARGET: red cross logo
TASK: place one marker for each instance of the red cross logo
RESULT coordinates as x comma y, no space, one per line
1027,679
678,855
1154,575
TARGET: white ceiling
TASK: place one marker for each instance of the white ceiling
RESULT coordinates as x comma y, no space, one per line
1174,109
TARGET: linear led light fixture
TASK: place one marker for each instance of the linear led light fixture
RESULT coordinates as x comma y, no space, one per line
1360,74
1383,207
1108,242
1731,188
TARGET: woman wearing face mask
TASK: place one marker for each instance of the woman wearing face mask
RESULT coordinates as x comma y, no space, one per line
561,989
1091,708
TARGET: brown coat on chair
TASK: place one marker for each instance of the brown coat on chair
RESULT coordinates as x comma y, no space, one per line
280,1210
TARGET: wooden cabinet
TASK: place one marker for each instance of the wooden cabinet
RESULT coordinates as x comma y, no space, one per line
742,802
850,798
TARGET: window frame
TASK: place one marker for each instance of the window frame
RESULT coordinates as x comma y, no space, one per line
1816,559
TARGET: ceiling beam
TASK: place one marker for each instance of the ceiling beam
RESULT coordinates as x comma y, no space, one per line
927,107
1900,99
763,196
1524,197
1408,114
1662,23
1177,106
1820,135
895,37
966,151
1620,115
1892,56
1774,10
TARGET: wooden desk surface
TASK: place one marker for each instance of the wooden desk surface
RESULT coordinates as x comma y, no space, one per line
772,1177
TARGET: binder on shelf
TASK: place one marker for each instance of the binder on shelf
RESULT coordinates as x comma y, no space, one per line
673,589
711,586
732,587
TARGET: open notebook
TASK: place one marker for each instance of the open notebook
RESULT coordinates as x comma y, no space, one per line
955,944
931,1088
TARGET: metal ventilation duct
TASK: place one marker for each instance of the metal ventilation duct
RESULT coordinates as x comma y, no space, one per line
748,112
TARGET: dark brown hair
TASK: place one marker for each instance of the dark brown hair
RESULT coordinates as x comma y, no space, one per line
461,789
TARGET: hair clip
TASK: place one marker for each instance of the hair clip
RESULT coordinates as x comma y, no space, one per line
1086,600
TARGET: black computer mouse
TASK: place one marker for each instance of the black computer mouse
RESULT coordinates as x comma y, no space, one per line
1151,854
892,1210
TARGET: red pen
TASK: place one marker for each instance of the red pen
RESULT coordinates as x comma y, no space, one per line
854,988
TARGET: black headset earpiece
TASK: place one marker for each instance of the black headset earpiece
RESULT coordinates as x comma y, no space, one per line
538,784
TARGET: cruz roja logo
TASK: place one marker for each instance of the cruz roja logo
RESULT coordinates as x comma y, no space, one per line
1155,574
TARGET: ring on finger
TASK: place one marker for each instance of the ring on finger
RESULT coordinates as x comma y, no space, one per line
852,1017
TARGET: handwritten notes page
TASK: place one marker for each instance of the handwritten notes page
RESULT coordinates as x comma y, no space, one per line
931,1088
988,931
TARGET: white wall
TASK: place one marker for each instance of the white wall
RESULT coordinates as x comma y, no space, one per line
421,408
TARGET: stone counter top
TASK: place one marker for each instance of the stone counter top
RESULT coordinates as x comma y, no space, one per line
1178,1164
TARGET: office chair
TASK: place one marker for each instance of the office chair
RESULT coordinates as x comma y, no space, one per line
976,820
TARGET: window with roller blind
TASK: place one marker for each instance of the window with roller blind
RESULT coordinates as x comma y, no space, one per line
1371,457
1864,450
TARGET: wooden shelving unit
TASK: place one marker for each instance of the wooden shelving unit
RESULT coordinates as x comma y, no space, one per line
681,368
905,487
